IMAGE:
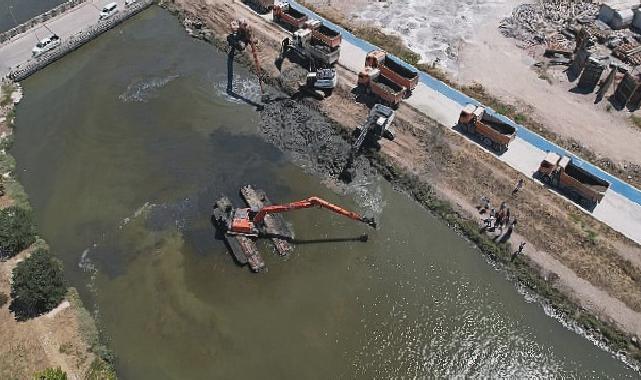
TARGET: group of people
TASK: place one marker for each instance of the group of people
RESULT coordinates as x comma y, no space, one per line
497,220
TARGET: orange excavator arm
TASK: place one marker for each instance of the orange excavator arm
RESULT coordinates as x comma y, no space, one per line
258,68
244,31
308,203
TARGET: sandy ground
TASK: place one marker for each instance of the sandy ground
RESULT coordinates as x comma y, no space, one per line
597,274
505,70
49,341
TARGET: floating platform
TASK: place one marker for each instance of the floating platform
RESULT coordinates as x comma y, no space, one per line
243,248
274,225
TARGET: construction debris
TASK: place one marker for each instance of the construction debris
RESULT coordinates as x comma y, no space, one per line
535,23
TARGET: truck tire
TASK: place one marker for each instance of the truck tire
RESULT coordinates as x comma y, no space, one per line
545,179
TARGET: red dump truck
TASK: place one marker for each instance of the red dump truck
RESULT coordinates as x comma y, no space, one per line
393,70
285,14
385,89
580,186
493,132
262,6
324,34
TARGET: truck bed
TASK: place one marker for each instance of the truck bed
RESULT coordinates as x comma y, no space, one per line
399,69
498,125
586,179
329,32
294,13
328,36
320,45
387,84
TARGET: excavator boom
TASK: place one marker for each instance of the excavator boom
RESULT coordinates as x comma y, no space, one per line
244,32
308,203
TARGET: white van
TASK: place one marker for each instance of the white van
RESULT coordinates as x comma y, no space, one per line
45,45
108,11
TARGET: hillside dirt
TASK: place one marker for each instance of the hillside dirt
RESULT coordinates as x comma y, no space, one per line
590,261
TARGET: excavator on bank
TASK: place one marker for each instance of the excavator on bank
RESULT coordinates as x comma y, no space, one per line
242,226
241,36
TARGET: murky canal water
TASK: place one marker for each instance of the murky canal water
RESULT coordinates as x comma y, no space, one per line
124,145
14,12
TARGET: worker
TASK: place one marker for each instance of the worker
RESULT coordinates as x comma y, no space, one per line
518,251
519,186
485,204
489,221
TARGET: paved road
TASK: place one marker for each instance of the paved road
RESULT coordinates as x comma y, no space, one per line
17,51
619,209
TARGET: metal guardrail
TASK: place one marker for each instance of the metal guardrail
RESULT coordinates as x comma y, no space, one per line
36,21
72,43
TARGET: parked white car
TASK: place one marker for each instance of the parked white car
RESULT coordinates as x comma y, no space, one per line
45,45
129,3
108,11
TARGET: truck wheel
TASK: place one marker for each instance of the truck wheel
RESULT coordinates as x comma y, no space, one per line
545,179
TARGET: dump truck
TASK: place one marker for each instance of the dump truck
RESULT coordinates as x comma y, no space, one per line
383,88
324,34
286,15
316,52
378,125
493,132
580,186
393,70
262,6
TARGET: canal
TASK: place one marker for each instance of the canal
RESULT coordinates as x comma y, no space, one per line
15,12
124,145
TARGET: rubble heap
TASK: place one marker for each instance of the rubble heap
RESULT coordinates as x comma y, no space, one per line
533,23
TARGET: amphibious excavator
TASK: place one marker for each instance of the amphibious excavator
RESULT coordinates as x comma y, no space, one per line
242,226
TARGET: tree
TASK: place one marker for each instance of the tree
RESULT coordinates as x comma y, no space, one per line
16,231
51,374
37,286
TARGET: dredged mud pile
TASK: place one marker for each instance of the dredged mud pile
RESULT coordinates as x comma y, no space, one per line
297,127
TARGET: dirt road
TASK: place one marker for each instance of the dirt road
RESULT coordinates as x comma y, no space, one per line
563,240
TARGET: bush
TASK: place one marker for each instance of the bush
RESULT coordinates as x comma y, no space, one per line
16,231
51,374
3,299
37,286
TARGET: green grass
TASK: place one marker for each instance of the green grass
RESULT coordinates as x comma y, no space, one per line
6,89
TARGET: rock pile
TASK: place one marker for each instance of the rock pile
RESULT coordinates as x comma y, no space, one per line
533,23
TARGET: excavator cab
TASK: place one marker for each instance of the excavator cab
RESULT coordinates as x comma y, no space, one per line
241,222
